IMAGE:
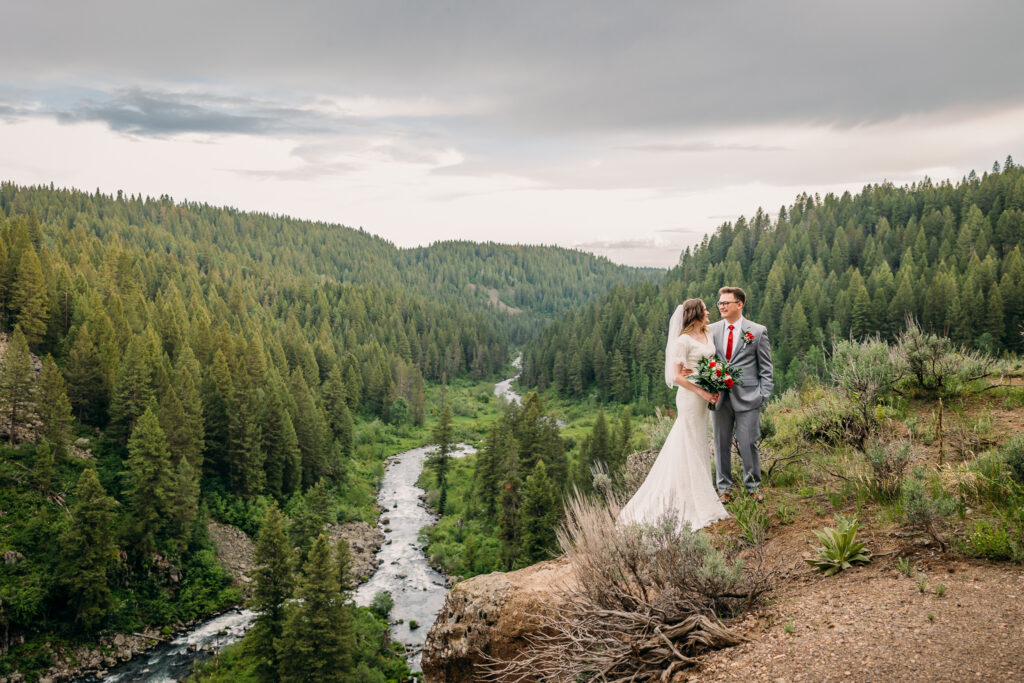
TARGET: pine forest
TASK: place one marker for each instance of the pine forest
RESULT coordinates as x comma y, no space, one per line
168,363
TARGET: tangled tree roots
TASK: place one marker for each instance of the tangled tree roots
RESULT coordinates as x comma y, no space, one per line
640,605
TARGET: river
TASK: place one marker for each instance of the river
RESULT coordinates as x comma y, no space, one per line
173,660
417,588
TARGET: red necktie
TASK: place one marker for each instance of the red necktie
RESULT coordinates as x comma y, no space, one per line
728,345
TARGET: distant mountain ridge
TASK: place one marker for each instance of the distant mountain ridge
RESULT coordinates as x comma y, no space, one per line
543,280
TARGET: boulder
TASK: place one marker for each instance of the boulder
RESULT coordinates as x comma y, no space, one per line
490,615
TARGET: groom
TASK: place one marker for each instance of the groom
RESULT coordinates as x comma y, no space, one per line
744,345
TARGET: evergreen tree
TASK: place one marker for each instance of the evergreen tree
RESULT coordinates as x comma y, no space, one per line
133,390
43,467
621,441
17,388
54,408
31,298
189,438
343,558
318,640
497,456
310,516
339,416
274,584
600,447
282,465
443,435
618,377
309,429
150,485
88,551
508,522
218,405
245,442
538,516
84,373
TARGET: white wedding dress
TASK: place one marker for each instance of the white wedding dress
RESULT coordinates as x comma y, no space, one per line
679,482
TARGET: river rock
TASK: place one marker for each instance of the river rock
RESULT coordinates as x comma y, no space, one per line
491,615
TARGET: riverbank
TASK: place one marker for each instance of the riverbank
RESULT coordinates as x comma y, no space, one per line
235,551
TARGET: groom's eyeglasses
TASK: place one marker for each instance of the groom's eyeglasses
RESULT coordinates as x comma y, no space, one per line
723,304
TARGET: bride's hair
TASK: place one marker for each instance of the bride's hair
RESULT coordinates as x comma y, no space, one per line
693,316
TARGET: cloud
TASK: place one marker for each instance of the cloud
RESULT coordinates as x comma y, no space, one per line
580,65
157,113
686,147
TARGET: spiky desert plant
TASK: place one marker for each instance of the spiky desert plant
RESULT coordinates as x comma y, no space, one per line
840,548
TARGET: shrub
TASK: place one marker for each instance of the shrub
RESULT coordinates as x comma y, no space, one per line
996,540
864,373
382,604
888,463
643,601
635,470
934,364
1013,454
833,421
923,507
840,548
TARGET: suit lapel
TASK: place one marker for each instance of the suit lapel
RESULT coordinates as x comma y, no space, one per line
737,339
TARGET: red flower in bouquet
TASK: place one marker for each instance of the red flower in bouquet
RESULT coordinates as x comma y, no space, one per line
715,376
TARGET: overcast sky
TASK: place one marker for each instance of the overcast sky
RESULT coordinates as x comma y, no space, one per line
626,128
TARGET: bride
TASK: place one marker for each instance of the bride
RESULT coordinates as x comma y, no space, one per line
679,483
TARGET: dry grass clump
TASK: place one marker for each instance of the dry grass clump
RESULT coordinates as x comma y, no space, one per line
642,603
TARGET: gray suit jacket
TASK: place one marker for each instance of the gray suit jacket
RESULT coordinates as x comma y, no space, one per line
755,359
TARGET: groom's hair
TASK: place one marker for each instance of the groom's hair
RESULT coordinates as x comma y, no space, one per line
736,292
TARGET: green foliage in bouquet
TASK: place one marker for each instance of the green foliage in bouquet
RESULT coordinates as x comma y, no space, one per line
840,548
715,375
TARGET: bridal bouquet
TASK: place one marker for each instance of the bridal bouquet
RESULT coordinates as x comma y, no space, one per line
715,375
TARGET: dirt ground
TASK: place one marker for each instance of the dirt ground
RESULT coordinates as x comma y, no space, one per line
874,623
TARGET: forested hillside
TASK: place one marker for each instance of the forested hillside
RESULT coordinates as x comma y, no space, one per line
828,268
214,362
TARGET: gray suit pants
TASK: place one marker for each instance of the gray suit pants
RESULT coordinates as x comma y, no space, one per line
746,426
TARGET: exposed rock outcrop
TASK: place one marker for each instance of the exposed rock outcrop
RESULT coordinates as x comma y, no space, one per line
490,615
111,650
235,551
364,541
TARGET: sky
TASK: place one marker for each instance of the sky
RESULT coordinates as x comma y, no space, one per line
629,129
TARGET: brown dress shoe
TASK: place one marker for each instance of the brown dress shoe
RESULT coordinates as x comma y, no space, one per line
725,497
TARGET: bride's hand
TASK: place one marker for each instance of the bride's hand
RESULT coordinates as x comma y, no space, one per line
711,398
